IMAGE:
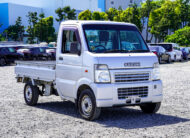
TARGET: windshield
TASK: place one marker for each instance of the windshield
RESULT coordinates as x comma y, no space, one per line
42,50
154,48
12,50
167,47
114,39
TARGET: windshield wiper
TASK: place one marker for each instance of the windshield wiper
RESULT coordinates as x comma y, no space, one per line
116,51
139,50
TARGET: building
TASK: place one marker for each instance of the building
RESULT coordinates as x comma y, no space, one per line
121,3
11,9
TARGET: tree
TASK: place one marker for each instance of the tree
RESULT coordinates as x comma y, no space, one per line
85,15
69,14
132,15
165,19
185,11
112,12
1,36
146,8
32,20
59,13
99,16
180,37
65,13
44,30
16,31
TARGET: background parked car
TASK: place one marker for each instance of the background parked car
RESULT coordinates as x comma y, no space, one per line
161,54
34,53
172,49
51,53
185,52
25,52
39,53
9,55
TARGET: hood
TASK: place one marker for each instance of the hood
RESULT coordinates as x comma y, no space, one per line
127,60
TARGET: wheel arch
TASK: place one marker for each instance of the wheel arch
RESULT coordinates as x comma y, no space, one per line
81,88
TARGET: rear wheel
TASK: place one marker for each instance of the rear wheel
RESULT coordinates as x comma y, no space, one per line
181,59
87,105
31,94
169,59
160,60
150,107
2,62
175,59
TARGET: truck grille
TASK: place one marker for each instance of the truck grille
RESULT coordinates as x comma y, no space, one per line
124,77
123,93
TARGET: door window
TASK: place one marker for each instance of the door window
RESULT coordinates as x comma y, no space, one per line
69,40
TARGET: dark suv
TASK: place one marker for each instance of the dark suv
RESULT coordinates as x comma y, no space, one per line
161,53
34,53
8,55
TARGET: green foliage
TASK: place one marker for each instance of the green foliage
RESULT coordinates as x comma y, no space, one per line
16,31
44,30
85,15
132,15
1,36
112,12
99,16
184,7
65,13
165,18
146,8
180,36
59,13
32,20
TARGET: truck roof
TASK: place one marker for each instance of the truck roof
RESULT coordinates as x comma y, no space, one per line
82,22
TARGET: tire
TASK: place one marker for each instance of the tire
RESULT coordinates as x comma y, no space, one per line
181,59
2,62
160,60
31,94
175,58
87,105
150,107
169,60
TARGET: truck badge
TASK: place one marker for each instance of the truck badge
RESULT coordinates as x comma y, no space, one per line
132,64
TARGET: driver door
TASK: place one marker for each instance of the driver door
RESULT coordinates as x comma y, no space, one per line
69,64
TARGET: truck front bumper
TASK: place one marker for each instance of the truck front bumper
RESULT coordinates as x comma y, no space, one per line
107,94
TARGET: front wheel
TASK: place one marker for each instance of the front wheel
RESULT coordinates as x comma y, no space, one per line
169,59
160,60
87,105
31,94
2,62
150,107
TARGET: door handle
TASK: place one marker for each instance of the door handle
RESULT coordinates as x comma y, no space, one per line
60,58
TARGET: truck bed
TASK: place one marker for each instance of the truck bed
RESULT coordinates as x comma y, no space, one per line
40,70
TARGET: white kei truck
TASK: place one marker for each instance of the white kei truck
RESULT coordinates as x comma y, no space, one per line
98,64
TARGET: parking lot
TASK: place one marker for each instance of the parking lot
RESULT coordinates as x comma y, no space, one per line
54,118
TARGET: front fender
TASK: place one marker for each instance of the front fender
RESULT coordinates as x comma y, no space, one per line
80,82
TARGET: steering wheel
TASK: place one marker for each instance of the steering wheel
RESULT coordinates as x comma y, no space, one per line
100,48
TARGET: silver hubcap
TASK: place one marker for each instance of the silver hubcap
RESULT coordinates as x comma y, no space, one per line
28,93
86,105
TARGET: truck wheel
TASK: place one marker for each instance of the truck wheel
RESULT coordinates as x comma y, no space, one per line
150,107
31,94
2,62
87,105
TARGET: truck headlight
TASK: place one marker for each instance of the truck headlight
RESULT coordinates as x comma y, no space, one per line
102,74
156,72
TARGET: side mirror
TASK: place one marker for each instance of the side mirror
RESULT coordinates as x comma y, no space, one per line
75,48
